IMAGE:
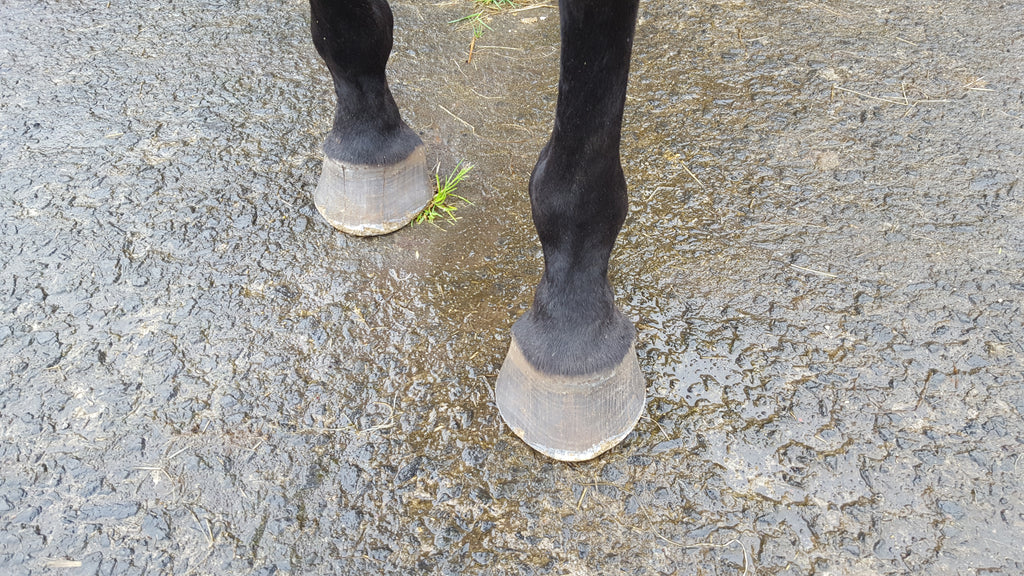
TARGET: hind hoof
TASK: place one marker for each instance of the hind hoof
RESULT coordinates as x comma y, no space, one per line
369,200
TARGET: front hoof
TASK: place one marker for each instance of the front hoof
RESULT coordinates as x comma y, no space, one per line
570,418
369,200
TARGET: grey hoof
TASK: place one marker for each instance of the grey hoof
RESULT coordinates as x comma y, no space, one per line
570,418
368,200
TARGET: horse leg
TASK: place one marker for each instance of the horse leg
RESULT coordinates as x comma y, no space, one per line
374,172
571,386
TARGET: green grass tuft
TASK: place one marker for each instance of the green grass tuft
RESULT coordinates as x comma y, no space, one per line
442,204
476,20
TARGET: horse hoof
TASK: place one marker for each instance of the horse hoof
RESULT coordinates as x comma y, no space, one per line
570,418
369,200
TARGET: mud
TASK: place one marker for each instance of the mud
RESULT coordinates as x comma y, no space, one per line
823,259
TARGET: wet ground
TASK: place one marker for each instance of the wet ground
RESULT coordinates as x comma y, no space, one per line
823,258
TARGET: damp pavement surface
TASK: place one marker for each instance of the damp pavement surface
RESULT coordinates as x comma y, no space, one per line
823,259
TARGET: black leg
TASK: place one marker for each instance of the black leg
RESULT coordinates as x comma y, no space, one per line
571,386
374,177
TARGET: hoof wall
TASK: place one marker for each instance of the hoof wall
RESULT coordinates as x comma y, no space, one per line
570,418
367,200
